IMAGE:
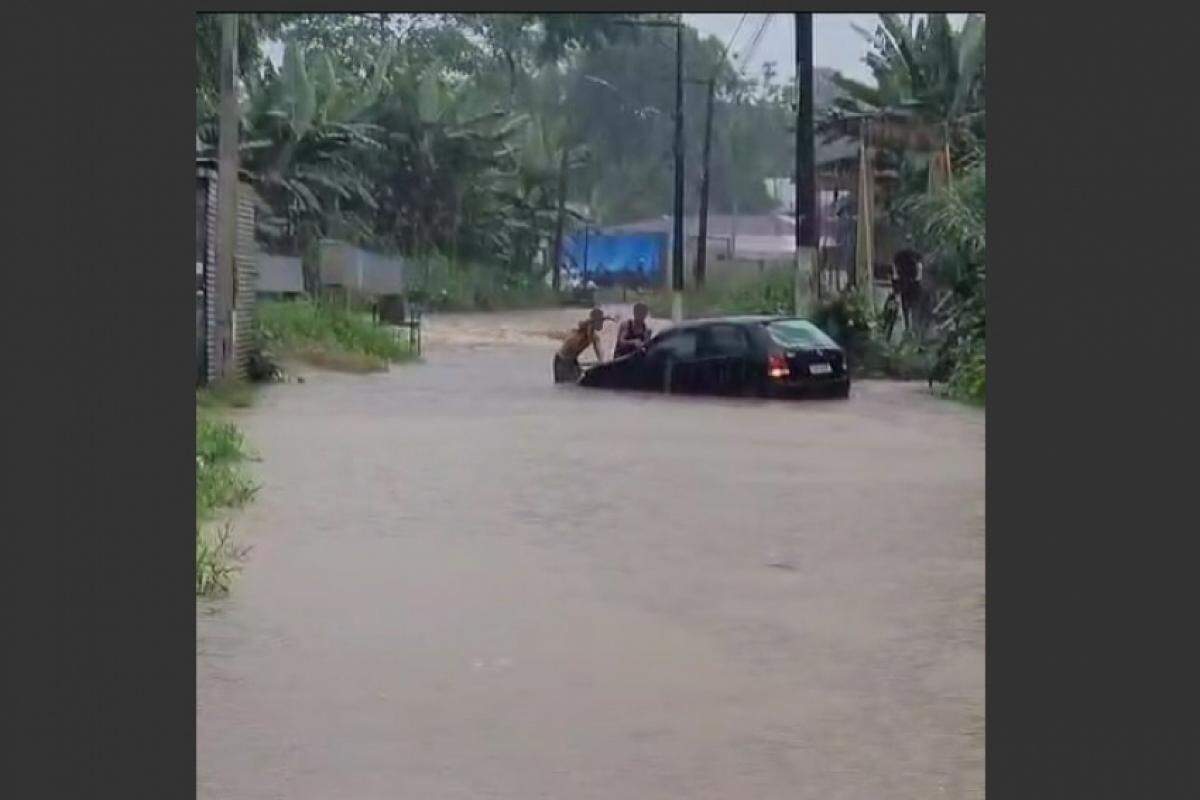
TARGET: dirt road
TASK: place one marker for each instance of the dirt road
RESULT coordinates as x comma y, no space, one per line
469,583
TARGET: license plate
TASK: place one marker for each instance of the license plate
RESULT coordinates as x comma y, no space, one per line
819,369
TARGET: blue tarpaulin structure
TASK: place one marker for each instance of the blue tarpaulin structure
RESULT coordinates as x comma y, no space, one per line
616,259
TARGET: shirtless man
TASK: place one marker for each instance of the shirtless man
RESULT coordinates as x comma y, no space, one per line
586,334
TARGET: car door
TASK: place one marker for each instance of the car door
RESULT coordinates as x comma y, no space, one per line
670,362
723,354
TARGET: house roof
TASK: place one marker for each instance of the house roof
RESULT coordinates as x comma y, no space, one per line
718,225
832,152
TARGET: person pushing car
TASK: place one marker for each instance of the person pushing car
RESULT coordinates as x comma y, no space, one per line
586,334
633,334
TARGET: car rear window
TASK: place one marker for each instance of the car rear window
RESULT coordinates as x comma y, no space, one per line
798,333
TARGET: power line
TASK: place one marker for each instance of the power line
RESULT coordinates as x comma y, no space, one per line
754,42
725,51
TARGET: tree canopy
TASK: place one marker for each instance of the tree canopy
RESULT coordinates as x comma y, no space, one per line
447,133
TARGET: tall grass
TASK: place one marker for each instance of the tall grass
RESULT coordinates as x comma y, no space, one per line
225,394
221,483
752,292
968,380
328,334
449,286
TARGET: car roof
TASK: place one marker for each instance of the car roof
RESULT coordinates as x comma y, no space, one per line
743,319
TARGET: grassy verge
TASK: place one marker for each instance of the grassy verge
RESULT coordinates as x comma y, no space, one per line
221,483
227,394
329,335
968,380
768,292
447,286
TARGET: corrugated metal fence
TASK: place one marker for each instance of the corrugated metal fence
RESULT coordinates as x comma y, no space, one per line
245,274
346,266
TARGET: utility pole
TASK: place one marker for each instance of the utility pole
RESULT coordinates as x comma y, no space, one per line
586,229
806,177
227,201
702,242
678,241
677,254
733,196
562,204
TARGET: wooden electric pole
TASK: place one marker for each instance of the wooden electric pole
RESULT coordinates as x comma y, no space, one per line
677,250
562,205
806,178
702,241
227,201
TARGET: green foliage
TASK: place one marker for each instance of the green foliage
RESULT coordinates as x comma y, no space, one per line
216,561
253,30
220,484
950,225
449,286
769,292
219,441
923,67
328,333
968,380
857,328
225,394
907,359
847,319
929,88
445,133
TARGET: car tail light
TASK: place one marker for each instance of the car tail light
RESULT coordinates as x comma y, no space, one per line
777,367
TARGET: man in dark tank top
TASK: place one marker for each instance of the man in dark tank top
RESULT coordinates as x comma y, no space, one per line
633,333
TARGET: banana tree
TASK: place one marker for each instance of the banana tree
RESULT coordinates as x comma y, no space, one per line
307,146
447,147
539,187
929,93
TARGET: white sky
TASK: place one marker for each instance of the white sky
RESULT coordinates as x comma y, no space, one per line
835,43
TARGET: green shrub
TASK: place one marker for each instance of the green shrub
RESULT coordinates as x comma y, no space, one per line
220,483
769,292
225,394
849,321
904,360
443,285
219,441
216,561
968,379
327,331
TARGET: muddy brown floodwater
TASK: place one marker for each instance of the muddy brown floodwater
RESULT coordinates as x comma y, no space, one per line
468,583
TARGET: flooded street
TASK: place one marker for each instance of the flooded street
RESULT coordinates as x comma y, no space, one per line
467,582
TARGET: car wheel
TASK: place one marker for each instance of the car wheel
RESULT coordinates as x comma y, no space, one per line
842,392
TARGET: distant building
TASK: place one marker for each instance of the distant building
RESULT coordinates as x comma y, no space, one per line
750,237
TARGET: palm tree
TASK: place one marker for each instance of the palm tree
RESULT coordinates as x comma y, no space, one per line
929,96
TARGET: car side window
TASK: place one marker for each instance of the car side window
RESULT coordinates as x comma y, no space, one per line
724,341
679,345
